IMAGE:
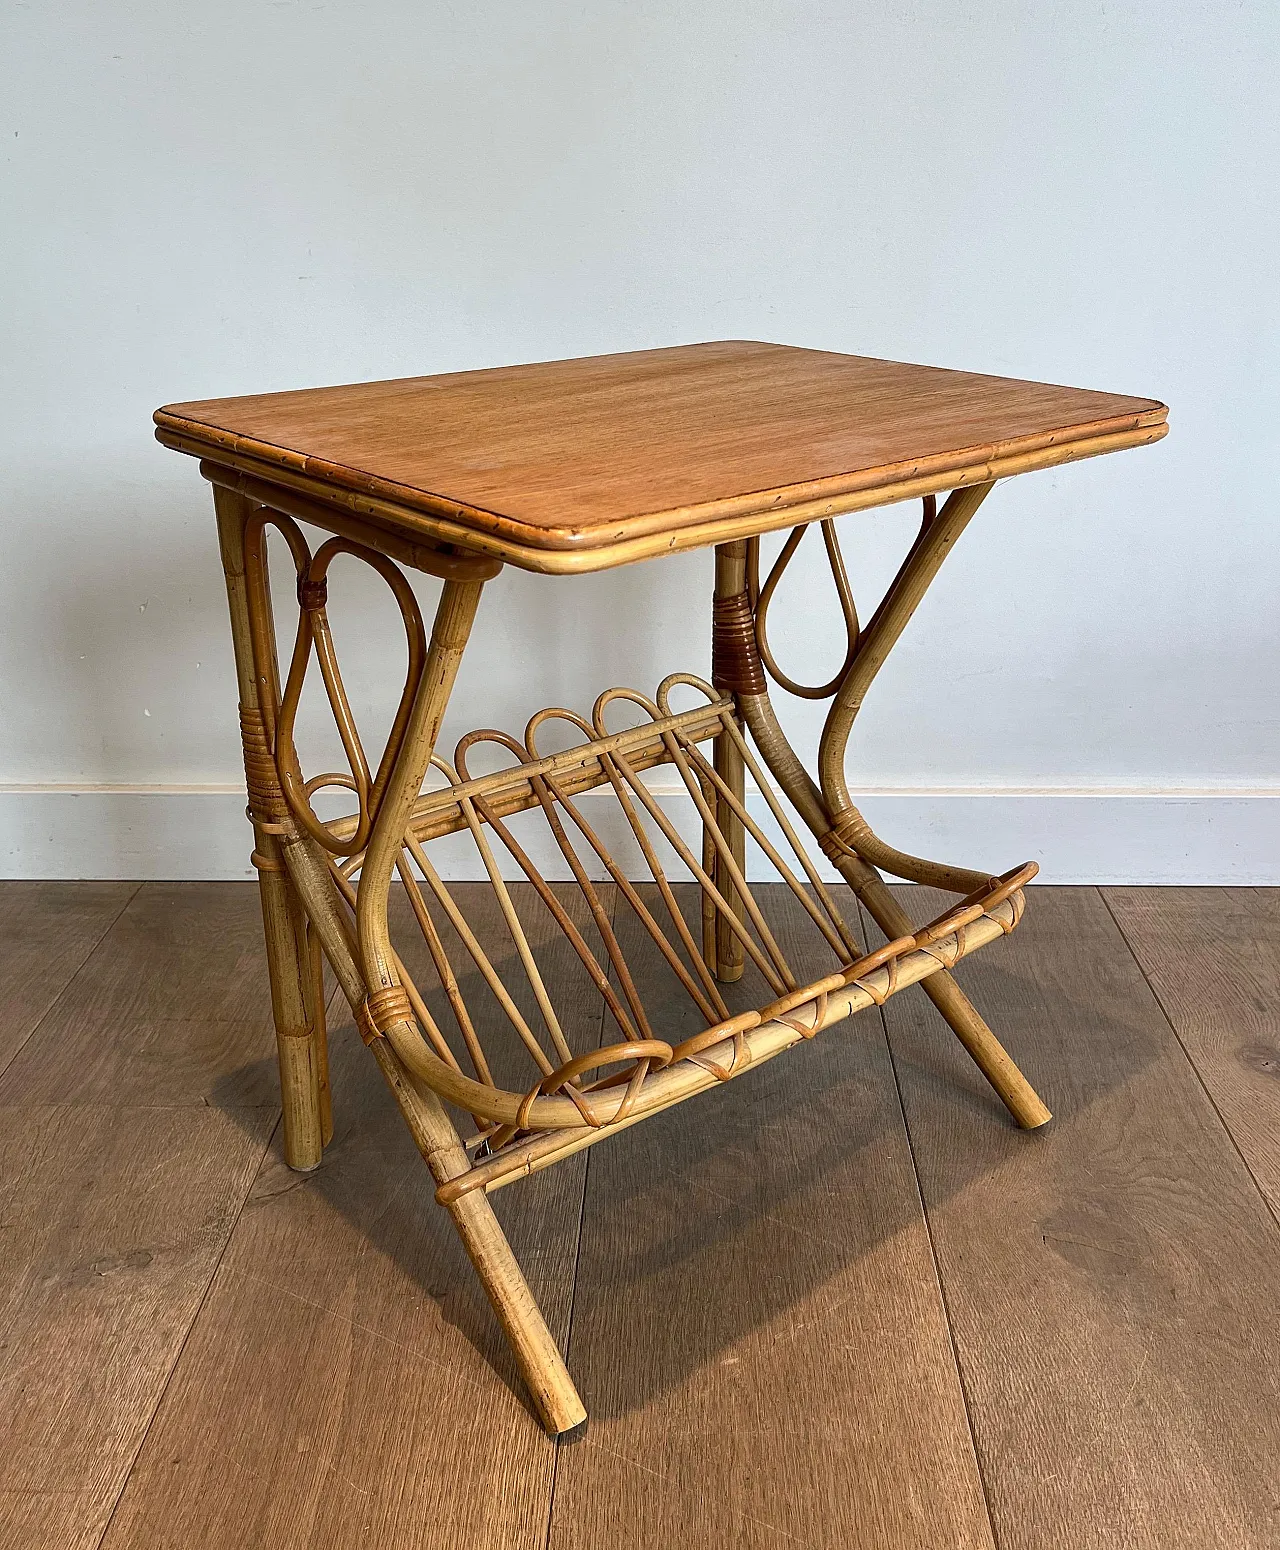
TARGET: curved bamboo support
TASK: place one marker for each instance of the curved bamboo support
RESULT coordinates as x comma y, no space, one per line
326,884
756,1038
934,543
844,835
454,617
739,632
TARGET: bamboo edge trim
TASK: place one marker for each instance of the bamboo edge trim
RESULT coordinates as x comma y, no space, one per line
443,562
944,465
575,556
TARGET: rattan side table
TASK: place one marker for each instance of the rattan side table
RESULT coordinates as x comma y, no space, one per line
560,468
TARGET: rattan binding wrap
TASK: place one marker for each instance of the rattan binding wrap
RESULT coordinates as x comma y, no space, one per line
267,804
735,662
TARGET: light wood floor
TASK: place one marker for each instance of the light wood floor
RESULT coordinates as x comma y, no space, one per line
839,1302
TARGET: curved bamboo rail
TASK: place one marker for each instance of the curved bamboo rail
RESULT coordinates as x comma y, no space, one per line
844,835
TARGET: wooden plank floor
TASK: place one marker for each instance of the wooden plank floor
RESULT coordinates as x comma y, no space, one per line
1111,1280
851,1307
757,1326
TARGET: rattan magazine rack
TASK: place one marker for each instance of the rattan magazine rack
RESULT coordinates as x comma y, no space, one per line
501,1073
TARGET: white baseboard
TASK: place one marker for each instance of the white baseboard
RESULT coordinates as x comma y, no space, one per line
1078,836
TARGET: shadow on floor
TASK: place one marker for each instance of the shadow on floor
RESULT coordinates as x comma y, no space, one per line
717,1218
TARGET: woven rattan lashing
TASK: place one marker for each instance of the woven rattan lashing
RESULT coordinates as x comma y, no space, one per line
735,660
262,783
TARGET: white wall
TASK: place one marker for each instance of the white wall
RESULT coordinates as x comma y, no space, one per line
214,200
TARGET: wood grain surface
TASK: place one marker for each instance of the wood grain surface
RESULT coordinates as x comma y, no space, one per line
758,1332
1110,1280
173,1007
751,1304
593,454
1212,956
113,1221
47,930
114,1204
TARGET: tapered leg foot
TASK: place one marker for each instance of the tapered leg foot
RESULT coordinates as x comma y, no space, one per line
989,1055
304,1079
541,1365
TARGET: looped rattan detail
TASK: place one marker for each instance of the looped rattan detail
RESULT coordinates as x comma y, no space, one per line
313,639
763,596
739,1057
759,599
813,1026
643,1054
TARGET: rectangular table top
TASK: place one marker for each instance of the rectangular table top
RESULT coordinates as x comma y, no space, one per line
582,464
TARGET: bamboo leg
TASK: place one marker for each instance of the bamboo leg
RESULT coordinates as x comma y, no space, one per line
884,629
554,1395
297,1048
989,1055
731,578
302,1059
822,808
541,1365
540,1361
309,943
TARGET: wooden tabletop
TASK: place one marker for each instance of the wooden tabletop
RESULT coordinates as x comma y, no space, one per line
578,465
